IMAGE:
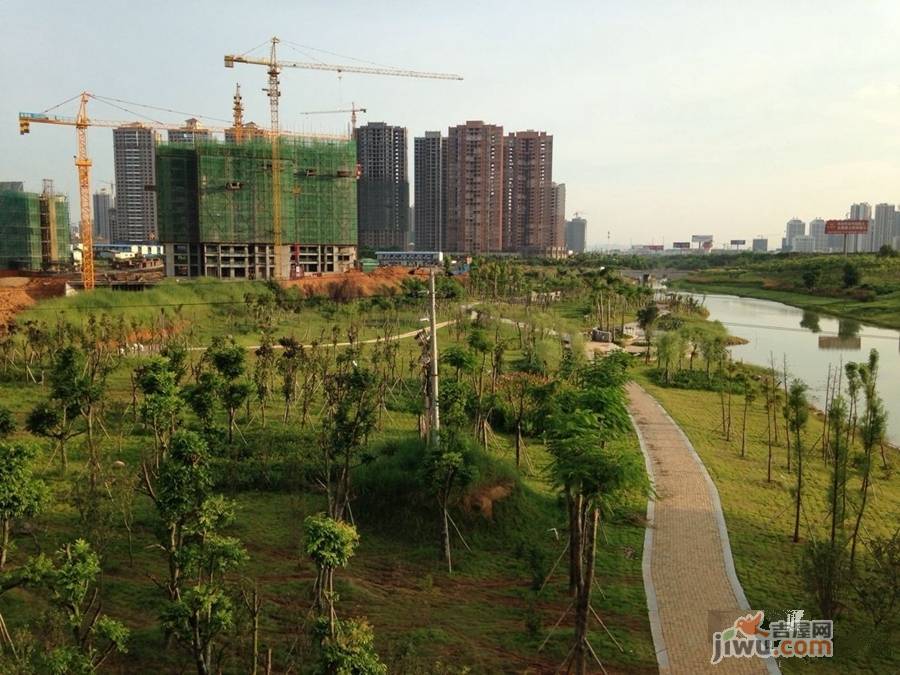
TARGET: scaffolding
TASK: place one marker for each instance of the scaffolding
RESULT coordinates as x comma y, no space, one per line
214,192
34,231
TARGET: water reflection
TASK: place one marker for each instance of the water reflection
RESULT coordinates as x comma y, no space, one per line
848,328
773,332
810,321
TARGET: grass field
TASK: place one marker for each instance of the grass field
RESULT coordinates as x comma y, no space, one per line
485,618
760,520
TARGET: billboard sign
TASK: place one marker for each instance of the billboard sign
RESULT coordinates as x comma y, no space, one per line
654,247
701,238
681,244
846,226
738,242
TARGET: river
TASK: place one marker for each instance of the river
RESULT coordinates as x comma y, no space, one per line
810,341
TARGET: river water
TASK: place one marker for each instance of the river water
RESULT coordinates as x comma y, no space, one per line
810,341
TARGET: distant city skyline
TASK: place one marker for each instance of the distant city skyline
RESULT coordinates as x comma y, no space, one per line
662,127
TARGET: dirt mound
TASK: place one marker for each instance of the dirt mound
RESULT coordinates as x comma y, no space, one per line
356,284
482,500
19,292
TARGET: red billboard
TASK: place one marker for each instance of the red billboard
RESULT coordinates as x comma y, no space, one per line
846,226
654,247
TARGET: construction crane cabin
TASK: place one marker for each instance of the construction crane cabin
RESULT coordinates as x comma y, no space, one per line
273,68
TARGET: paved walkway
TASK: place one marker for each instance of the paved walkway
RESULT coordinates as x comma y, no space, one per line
688,570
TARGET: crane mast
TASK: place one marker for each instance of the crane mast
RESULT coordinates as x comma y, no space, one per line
274,67
274,94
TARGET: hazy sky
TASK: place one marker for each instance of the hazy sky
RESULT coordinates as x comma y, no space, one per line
668,118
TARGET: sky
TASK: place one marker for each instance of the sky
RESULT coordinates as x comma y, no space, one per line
669,118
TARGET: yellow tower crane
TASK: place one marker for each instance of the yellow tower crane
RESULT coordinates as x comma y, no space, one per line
81,122
352,110
274,67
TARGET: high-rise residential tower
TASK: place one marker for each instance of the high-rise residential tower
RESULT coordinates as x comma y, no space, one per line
760,245
428,179
383,186
795,228
473,188
135,157
881,231
859,242
817,232
102,207
557,243
529,216
576,232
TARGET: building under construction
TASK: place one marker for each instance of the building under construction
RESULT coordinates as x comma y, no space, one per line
215,207
34,230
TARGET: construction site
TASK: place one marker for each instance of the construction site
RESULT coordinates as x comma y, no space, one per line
224,212
35,229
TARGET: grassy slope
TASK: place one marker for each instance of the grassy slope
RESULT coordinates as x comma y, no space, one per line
760,520
475,618
780,279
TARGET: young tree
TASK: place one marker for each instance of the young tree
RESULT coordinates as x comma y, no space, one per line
228,358
200,608
74,593
344,646
521,390
58,417
22,495
351,407
749,398
593,475
646,318
877,585
872,433
263,373
797,412
7,422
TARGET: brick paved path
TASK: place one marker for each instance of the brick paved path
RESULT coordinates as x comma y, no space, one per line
687,571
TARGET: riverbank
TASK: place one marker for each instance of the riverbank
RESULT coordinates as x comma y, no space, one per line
883,311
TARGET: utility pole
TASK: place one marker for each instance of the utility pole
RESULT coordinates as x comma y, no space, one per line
435,417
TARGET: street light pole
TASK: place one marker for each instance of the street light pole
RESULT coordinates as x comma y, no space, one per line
435,417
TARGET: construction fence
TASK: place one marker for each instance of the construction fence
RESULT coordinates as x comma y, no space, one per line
34,231
217,192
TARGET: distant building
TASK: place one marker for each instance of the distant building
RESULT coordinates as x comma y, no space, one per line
803,243
795,228
191,132
558,208
817,232
760,245
859,242
102,207
473,188
134,149
383,186
576,233
428,196
881,231
12,186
